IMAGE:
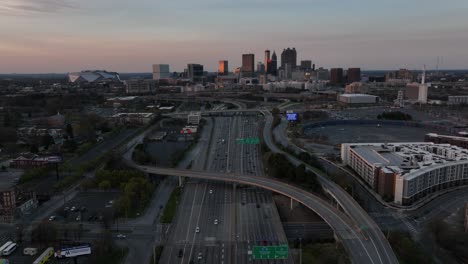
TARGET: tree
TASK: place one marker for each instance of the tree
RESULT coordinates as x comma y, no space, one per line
105,185
34,149
69,145
85,129
7,134
300,173
275,111
46,141
69,130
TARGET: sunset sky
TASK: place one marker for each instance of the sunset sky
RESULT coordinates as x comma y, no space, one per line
39,36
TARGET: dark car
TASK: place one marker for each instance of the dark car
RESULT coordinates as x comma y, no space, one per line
181,253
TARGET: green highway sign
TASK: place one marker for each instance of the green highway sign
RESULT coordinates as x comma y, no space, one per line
251,141
270,252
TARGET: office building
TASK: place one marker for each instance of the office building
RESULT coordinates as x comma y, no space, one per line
458,100
461,142
336,76
417,92
353,75
223,67
306,65
289,56
358,99
260,67
266,60
402,74
195,72
272,66
7,205
322,74
412,91
161,71
407,172
194,118
298,75
248,65
140,86
357,88
132,119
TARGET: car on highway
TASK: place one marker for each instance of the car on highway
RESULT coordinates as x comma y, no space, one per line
52,218
73,209
216,221
211,191
121,236
78,218
181,253
200,256
197,230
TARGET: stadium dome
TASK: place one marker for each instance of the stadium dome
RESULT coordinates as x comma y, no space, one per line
93,76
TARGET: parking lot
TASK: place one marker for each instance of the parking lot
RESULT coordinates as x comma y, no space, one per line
331,136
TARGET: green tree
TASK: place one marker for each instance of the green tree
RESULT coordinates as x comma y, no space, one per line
69,130
105,185
46,141
275,111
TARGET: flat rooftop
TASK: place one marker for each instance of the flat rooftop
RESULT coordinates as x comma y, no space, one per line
410,157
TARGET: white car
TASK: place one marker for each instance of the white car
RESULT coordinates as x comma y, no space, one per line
73,209
199,255
197,230
216,221
211,191
121,236
52,218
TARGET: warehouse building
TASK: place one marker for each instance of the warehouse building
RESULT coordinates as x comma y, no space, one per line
357,99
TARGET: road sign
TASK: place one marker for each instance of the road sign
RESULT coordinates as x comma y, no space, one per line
270,252
248,141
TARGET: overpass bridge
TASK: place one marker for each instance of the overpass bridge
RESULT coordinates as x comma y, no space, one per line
360,235
356,242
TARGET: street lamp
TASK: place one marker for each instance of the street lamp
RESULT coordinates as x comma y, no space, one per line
300,250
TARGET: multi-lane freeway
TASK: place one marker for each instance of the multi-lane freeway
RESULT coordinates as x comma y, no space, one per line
360,235
225,222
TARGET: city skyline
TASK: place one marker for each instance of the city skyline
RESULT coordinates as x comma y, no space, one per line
130,37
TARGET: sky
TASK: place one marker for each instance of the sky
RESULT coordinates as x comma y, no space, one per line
46,36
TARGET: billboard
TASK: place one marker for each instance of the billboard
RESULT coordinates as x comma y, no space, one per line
291,116
73,251
54,159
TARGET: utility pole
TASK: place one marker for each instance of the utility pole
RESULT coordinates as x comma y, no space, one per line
300,250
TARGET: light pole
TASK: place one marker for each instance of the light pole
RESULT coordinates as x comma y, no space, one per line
300,250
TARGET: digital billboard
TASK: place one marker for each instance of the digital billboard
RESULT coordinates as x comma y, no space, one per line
291,116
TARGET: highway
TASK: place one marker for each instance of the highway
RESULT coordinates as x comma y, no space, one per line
381,247
361,237
244,216
360,249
